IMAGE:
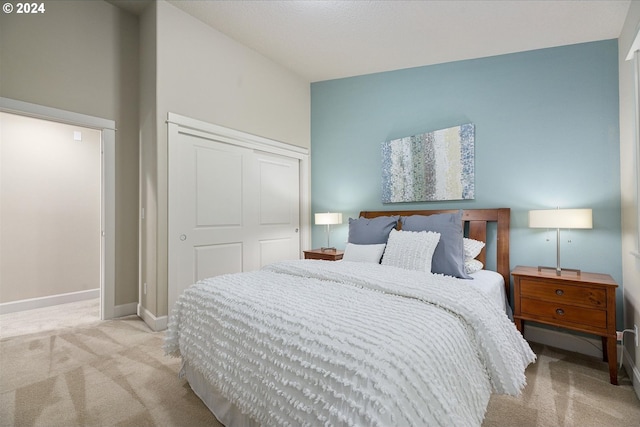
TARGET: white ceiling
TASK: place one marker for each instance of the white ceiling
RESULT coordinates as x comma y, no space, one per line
322,40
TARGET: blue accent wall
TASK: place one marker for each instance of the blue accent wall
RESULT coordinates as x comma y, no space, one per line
547,135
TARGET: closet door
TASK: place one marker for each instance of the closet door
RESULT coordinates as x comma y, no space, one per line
272,209
231,209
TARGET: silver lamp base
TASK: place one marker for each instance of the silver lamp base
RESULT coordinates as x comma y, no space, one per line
557,267
558,270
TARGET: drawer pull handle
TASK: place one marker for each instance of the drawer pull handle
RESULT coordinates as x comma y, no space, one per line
560,312
559,292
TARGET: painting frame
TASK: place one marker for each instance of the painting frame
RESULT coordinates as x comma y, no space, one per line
431,166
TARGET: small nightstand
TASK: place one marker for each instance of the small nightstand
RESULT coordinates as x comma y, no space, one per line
328,254
585,303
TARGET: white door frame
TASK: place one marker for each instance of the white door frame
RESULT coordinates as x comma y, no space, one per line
181,124
107,204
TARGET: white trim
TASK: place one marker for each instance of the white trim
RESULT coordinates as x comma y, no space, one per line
305,204
47,113
108,219
173,130
231,136
635,46
636,102
125,309
632,370
155,323
48,301
108,224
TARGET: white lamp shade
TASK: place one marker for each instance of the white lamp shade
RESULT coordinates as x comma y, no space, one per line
561,218
328,218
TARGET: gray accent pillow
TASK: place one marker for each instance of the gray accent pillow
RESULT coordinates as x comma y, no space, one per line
449,255
371,231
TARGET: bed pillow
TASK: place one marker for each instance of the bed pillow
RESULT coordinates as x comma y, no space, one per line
449,255
363,253
472,266
371,231
472,248
411,250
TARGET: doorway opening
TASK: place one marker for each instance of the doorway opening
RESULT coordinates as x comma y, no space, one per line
57,208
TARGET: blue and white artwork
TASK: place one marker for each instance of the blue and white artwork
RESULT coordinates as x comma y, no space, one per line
430,166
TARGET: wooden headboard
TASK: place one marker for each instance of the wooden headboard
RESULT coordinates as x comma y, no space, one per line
475,222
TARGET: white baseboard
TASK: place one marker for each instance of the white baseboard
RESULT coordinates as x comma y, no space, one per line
48,301
155,323
632,370
125,309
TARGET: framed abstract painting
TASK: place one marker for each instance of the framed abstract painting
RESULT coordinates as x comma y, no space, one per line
432,166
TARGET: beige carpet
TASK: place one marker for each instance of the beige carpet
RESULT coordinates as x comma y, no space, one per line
48,318
566,389
114,373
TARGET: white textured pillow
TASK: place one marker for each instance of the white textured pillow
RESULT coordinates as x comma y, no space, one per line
412,250
472,266
472,248
363,253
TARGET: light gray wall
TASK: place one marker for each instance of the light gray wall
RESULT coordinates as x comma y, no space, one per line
628,171
82,56
50,208
203,74
148,157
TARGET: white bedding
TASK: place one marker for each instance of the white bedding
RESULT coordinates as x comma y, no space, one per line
313,343
491,284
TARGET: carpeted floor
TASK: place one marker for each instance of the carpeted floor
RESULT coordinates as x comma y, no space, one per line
59,316
110,373
567,389
114,373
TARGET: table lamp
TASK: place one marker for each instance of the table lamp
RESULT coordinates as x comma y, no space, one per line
560,218
328,219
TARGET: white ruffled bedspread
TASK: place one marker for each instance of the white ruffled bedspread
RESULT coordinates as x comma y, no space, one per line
318,343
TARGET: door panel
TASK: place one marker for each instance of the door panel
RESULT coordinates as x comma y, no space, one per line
279,210
275,250
218,182
231,209
214,260
275,197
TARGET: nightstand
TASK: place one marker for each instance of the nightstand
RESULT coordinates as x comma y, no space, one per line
585,303
327,254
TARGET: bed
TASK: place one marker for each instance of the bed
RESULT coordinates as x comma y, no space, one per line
380,343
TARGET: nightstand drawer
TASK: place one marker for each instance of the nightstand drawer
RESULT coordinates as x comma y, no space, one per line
564,293
563,314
